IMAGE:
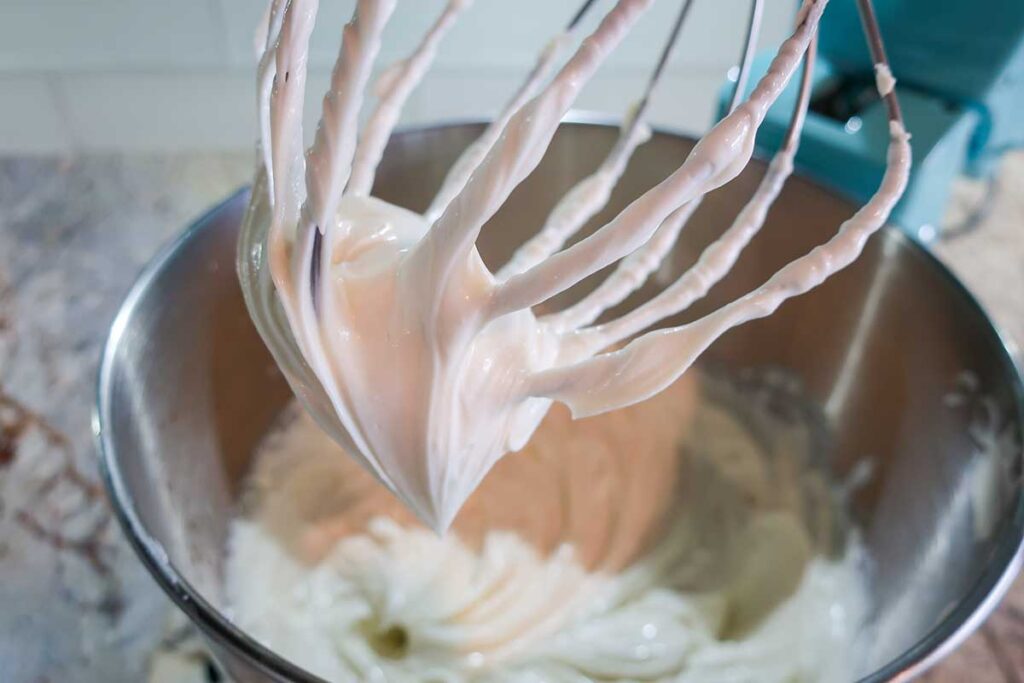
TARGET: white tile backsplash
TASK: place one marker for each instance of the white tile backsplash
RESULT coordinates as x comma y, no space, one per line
30,120
504,34
80,35
448,93
684,102
173,74
240,18
160,111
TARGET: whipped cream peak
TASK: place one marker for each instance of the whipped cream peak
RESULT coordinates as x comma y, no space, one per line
457,388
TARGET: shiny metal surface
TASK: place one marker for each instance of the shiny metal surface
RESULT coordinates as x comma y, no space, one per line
187,387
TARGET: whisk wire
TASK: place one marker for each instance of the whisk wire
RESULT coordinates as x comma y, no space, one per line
434,265
580,13
753,31
718,258
663,58
635,224
518,151
591,194
634,269
459,172
653,360
876,46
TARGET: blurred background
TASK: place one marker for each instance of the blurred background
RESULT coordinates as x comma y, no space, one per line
166,75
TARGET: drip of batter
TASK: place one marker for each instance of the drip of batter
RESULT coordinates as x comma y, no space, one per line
435,366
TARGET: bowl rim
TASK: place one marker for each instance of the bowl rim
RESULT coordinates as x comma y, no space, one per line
972,609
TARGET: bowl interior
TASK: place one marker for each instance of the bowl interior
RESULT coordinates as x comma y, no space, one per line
905,365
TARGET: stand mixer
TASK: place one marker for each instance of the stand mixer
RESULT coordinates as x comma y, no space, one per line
960,72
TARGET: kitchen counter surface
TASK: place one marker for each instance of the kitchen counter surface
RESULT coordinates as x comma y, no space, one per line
75,604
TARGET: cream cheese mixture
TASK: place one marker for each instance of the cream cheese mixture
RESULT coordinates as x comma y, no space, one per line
435,366
671,541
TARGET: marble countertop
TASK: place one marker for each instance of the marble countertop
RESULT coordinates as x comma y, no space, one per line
75,604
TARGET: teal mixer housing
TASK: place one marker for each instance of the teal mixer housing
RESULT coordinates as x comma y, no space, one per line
959,67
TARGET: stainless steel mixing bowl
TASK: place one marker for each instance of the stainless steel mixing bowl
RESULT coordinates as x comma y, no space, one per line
187,388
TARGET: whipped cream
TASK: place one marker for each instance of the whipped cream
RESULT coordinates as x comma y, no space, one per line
436,367
884,80
661,542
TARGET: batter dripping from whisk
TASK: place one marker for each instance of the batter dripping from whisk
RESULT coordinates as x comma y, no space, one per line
436,366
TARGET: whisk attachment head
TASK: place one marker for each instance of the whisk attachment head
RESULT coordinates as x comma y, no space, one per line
435,365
